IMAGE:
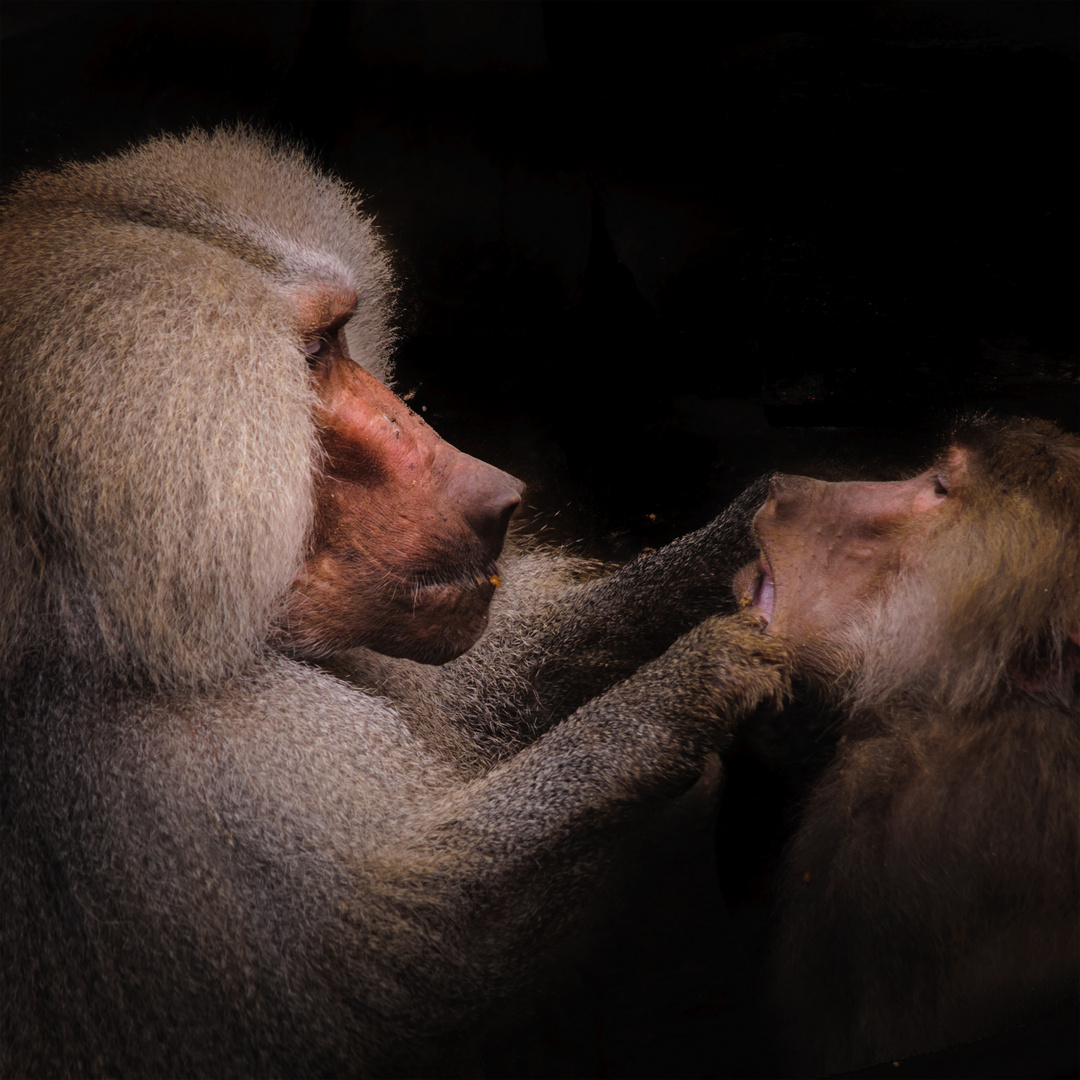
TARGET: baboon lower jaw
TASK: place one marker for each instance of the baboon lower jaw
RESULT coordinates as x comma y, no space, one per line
435,622
427,621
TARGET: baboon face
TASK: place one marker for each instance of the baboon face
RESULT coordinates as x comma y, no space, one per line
407,528
828,548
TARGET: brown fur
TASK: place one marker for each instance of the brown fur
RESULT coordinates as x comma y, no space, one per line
932,892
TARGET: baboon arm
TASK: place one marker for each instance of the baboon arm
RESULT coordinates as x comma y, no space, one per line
497,844
549,651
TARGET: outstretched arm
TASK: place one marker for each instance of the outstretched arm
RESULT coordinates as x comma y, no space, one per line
553,644
516,851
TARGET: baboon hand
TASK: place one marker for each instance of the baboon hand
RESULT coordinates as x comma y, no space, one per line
745,667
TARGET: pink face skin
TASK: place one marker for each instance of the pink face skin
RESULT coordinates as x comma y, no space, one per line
827,546
407,527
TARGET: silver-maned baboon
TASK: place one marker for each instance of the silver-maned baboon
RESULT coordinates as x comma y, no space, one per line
930,895
244,831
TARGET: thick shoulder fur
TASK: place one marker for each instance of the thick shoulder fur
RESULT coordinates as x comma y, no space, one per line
170,572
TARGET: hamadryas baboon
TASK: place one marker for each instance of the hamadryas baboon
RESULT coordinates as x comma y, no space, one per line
256,817
931,894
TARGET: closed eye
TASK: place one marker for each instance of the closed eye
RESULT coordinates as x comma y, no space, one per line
319,350
316,348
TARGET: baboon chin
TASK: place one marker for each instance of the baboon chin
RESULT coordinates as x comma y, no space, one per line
930,895
220,858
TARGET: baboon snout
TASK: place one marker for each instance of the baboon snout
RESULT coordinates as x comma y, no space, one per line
788,498
487,497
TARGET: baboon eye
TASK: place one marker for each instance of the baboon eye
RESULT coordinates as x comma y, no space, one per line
940,486
317,351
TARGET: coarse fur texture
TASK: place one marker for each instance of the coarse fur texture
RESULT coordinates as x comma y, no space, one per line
161,276
931,894
221,857
1012,567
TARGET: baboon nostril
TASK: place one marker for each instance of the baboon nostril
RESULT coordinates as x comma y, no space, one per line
491,510
487,498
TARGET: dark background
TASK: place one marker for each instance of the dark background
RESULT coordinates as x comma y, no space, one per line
648,252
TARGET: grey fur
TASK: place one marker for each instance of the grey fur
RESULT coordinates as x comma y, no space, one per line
218,859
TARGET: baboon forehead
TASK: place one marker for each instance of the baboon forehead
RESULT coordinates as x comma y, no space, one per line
260,202
1019,454
807,496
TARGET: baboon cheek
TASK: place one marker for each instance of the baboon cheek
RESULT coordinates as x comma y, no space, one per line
407,531
828,548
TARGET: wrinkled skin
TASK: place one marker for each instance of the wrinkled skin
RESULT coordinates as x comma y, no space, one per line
407,528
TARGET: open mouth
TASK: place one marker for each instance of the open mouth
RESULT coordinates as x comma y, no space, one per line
764,593
756,586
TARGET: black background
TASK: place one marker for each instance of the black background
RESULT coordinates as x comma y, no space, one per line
648,252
